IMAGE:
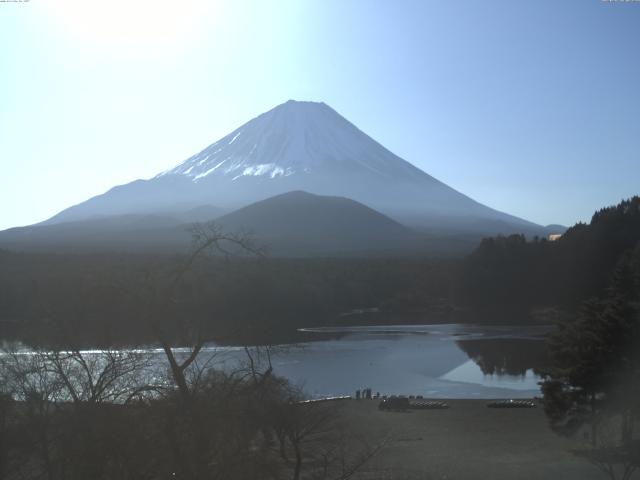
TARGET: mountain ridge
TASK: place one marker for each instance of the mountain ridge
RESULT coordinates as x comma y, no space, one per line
302,146
302,223
291,224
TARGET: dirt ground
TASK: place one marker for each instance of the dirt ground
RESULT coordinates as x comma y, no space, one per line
467,441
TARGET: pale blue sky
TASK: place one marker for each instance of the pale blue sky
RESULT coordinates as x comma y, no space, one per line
531,107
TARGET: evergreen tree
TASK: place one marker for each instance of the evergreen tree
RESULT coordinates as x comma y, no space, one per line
595,375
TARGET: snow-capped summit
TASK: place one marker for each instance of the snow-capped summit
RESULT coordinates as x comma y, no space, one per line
293,138
303,146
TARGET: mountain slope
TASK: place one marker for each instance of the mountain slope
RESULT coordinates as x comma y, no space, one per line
302,146
129,232
291,224
301,223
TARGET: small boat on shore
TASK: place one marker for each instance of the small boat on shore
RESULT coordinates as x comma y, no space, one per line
512,404
431,405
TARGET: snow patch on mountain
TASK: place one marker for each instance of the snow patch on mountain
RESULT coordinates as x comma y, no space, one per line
294,138
301,146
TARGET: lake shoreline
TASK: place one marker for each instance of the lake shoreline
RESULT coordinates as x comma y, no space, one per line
433,361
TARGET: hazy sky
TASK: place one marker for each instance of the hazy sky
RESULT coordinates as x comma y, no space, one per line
531,107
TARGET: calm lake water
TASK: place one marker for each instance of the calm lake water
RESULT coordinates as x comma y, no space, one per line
437,361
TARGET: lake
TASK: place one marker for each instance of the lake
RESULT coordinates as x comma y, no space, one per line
437,361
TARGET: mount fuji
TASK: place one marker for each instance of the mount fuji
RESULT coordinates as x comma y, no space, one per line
301,177
301,146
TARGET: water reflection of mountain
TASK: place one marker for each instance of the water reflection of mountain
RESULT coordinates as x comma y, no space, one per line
505,356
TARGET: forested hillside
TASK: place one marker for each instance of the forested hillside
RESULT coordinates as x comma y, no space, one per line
514,275
110,299
113,298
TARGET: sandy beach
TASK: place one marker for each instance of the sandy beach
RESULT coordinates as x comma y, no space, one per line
466,441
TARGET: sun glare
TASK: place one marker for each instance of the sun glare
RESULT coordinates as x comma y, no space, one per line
132,24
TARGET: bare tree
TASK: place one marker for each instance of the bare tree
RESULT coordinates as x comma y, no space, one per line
79,414
246,421
315,444
105,376
70,417
6,409
207,240
615,459
24,377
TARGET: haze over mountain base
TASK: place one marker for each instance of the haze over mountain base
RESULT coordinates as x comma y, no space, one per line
261,170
